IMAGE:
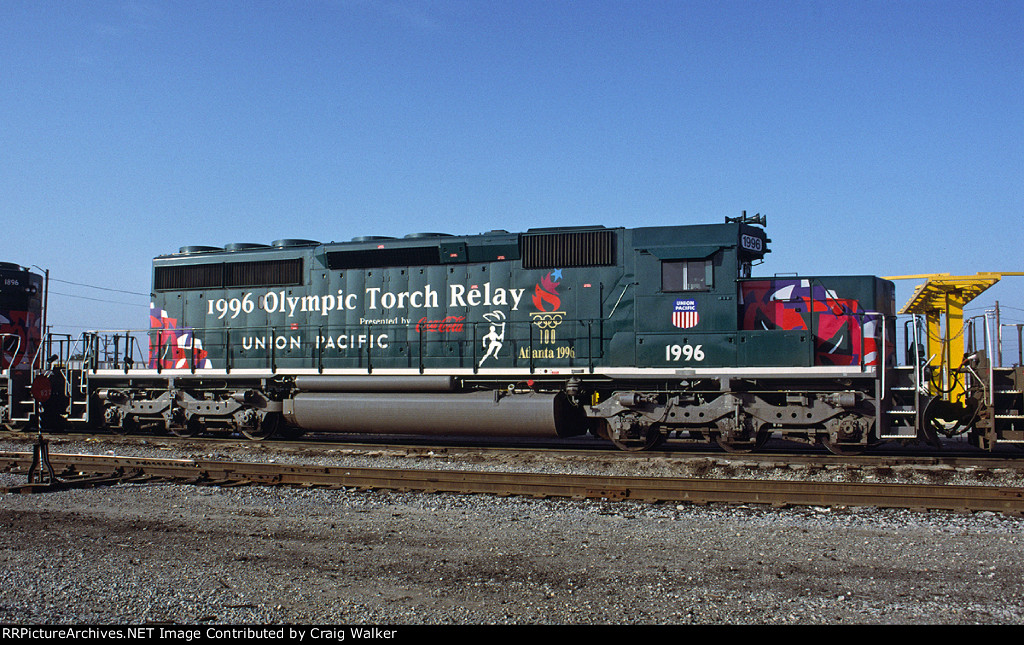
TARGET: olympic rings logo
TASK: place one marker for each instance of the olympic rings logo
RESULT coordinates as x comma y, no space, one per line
548,320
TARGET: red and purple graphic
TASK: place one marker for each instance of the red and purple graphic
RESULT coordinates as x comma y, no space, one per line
844,333
174,348
19,337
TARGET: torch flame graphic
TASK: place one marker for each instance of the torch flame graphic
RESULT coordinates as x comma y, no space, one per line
546,292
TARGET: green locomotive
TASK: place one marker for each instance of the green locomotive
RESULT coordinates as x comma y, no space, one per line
633,334
637,335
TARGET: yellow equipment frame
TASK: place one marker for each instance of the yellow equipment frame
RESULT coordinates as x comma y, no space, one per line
944,296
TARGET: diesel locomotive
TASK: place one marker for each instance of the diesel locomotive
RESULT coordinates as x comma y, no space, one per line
636,335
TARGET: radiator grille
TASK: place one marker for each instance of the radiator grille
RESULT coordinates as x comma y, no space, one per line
382,258
573,249
266,273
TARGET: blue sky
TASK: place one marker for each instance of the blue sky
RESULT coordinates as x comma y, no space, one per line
878,137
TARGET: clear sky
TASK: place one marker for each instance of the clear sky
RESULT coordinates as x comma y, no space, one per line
879,138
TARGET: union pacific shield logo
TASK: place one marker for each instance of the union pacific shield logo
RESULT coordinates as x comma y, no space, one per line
684,314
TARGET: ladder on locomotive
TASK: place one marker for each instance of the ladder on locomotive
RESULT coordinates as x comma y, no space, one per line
908,390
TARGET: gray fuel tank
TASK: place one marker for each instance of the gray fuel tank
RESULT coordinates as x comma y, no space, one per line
536,415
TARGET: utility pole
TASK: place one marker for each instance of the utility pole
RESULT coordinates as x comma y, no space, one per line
46,309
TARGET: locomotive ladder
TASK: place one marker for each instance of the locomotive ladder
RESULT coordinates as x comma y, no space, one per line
906,394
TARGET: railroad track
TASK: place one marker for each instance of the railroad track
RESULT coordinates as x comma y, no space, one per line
95,470
790,458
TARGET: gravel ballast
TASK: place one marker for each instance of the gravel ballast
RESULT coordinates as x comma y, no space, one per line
167,553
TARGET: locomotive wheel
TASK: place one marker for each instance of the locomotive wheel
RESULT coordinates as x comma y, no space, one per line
16,427
843,449
128,426
847,435
265,429
635,437
743,446
653,439
599,428
191,428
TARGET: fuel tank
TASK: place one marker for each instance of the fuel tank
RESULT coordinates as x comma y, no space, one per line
535,415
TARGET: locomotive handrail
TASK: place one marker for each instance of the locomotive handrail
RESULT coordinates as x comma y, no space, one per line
913,344
93,356
106,349
989,347
616,305
199,345
420,350
590,347
273,351
880,351
320,351
369,346
1020,342
918,365
36,365
530,327
14,354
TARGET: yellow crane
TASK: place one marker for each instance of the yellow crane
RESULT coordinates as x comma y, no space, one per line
943,297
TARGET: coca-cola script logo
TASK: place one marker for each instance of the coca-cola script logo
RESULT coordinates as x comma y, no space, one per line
449,323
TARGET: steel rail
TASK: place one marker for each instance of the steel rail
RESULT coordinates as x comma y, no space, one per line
768,458
87,470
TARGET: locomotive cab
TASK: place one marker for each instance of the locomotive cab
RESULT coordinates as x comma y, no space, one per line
687,297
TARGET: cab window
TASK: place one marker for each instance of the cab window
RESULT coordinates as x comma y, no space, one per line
686,275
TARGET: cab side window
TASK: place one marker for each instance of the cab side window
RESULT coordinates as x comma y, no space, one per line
686,275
